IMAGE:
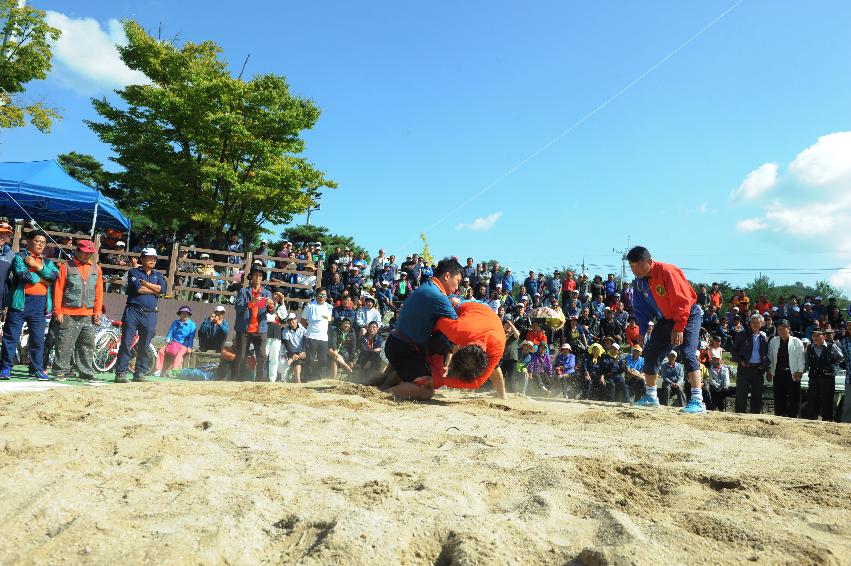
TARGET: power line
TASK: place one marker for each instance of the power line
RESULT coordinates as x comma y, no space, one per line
583,119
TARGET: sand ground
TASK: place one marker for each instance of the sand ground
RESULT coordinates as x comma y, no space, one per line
333,473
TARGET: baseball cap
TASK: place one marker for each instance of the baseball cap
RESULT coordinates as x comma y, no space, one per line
782,322
565,346
291,316
120,243
148,252
85,246
219,308
616,346
204,256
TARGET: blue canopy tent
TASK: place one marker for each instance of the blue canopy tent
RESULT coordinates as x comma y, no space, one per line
45,192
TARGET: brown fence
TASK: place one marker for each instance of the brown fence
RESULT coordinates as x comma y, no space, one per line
185,274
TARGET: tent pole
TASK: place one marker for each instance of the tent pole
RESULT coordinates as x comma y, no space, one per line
95,219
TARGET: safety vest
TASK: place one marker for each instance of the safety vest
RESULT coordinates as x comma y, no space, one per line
79,292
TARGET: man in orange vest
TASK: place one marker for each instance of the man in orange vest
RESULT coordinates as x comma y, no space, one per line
77,304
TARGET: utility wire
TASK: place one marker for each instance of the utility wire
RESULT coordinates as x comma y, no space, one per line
582,120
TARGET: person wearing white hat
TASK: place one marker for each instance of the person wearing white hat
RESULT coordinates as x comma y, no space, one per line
144,286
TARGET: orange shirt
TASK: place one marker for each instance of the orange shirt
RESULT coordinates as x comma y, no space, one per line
715,299
632,334
536,338
39,288
254,305
59,290
478,325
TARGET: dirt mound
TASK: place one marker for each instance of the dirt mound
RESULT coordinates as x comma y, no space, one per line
339,473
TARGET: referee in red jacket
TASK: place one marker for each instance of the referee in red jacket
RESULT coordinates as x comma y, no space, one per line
661,291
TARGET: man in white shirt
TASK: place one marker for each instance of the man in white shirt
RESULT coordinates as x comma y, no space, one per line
787,363
366,314
315,317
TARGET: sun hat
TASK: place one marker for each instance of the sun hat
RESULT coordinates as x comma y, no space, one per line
85,246
148,252
184,309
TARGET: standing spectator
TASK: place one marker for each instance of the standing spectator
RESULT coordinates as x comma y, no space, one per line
315,318
787,363
251,326
844,345
235,246
508,280
7,260
611,287
510,353
6,232
294,337
178,341
377,266
702,296
531,284
274,336
715,298
78,302
750,350
469,271
33,275
144,286
403,288
213,331
822,356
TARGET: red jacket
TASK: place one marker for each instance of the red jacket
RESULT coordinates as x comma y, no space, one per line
671,292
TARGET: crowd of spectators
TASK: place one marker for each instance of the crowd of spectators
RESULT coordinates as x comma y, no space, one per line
595,355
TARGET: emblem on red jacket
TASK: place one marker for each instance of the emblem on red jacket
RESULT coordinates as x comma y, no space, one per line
660,290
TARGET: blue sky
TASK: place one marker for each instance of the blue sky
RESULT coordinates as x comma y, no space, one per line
732,157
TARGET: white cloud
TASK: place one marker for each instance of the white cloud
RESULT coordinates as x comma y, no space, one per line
86,57
751,225
842,279
482,224
757,183
825,162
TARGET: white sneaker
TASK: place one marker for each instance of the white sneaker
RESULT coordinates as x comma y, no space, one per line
157,374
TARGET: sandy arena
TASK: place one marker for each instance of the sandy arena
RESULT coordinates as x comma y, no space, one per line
330,473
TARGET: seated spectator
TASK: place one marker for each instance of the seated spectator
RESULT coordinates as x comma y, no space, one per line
536,336
178,341
634,371
613,371
366,314
631,332
342,348
369,358
673,378
718,382
213,331
565,368
293,337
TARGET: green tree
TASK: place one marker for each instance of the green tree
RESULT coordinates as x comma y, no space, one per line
24,56
205,152
311,233
88,170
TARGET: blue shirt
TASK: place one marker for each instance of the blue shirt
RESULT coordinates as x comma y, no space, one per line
134,276
755,357
182,332
632,363
644,304
421,311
